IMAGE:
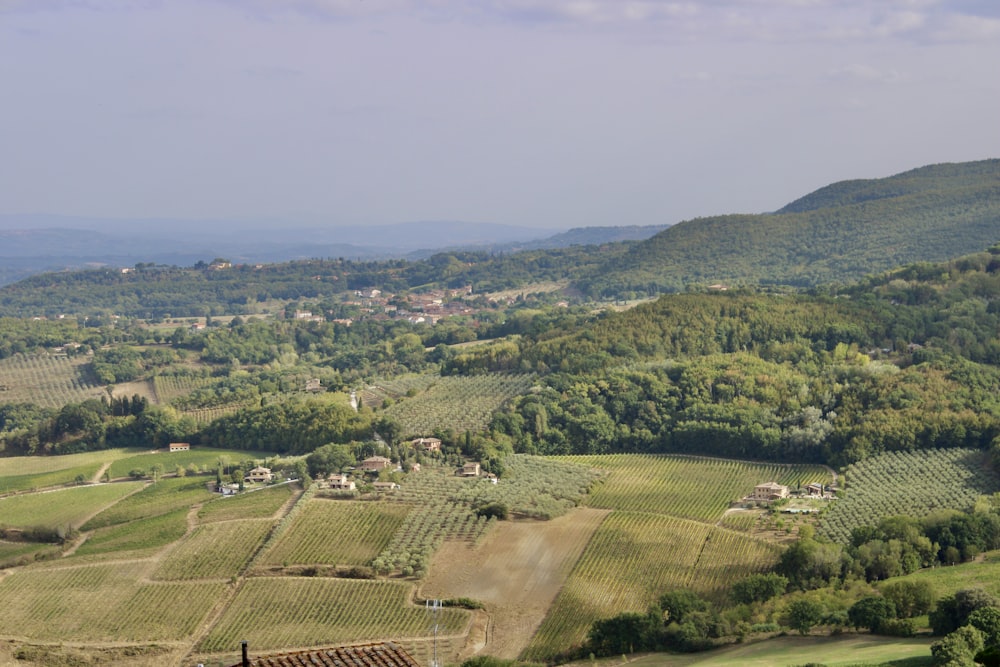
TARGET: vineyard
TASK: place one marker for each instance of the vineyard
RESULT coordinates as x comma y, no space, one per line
101,603
911,483
457,403
635,557
318,534
47,380
294,611
660,536
257,505
170,387
214,551
684,486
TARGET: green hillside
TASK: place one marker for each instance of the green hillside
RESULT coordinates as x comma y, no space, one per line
836,234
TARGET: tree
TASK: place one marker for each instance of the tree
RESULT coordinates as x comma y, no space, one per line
872,612
758,588
959,648
624,633
953,611
679,603
803,614
987,621
911,598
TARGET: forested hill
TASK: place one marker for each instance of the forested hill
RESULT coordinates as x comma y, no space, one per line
839,233
907,360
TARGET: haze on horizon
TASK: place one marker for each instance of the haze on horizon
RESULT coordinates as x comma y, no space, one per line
538,113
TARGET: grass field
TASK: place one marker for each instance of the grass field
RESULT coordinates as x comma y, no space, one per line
136,539
841,651
164,496
63,507
203,458
22,473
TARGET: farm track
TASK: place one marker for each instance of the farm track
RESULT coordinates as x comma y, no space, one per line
230,594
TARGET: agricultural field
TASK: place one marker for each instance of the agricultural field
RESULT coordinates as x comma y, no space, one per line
455,402
260,504
166,388
50,381
318,534
912,483
685,486
303,611
632,559
138,538
37,465
200,458
24,473
101,603
166,495
214,551
62,508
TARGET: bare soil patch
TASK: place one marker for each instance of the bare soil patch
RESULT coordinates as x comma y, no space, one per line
516,571
143,388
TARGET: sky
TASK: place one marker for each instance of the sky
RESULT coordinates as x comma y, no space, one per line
537,113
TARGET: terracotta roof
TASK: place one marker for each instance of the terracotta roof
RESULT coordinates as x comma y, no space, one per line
364,655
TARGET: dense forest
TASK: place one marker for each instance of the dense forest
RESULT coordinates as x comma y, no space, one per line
836,234
904,360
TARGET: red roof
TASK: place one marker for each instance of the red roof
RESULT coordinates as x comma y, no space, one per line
364,655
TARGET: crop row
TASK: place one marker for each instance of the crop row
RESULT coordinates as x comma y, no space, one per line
293,611
911,483
46,380
635,557
457,403
335,532
214,550
170,387
689,487
106,602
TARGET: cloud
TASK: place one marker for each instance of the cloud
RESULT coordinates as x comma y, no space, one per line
865,74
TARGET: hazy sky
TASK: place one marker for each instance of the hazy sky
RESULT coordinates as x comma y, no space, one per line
553,113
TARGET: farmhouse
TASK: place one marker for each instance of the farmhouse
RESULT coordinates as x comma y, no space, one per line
179,446
385,486
470,469
814,489
427,444
769,491
365,655
259,474
375,463
314,385
339,482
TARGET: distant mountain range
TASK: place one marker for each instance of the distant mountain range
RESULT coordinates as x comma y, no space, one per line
31,244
